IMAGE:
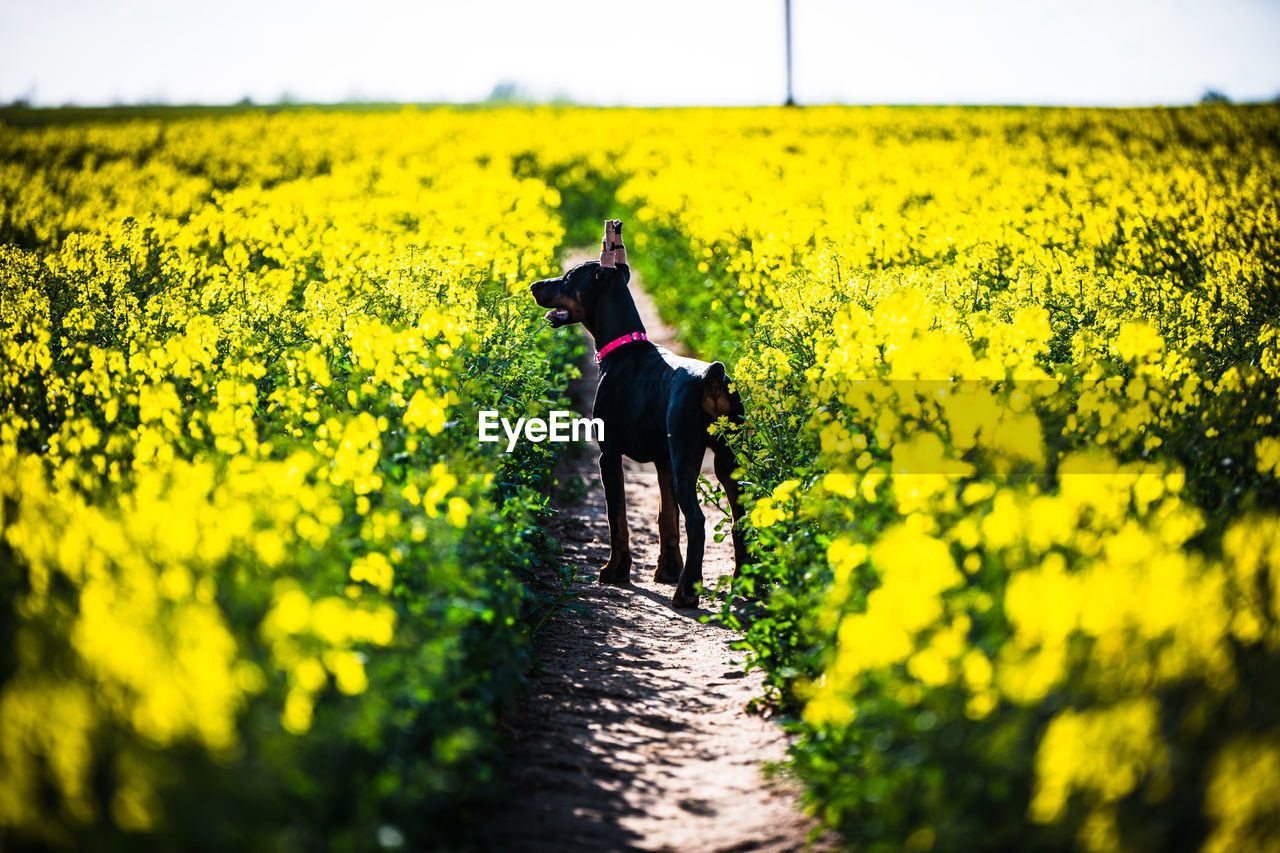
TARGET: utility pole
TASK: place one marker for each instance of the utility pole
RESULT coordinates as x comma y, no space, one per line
791,100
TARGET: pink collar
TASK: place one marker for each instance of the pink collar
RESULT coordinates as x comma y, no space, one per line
614,344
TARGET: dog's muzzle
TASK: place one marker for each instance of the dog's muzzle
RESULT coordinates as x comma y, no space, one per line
556,316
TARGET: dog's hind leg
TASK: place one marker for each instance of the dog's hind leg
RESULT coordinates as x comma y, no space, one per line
618,570
669,562
726,462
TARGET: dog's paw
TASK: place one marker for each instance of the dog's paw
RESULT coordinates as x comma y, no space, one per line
616,574
684,600
668,571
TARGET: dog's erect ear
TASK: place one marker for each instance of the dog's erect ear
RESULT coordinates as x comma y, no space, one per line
612,250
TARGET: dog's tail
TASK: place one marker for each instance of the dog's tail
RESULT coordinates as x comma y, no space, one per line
717,399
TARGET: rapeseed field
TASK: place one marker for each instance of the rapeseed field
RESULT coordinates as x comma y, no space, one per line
1011,384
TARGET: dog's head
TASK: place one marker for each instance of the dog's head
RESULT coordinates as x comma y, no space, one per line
576,296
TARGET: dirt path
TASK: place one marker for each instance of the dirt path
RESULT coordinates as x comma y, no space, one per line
635,734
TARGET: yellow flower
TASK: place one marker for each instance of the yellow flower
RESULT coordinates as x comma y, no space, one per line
1268,456
840,483
375,569
459,511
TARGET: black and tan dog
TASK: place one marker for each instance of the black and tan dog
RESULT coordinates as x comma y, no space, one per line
656,407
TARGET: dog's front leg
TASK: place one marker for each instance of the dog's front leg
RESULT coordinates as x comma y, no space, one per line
669,563
685,464
618,570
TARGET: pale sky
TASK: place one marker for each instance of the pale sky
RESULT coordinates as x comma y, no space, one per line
664,52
